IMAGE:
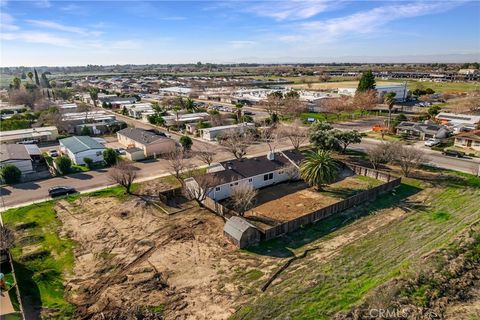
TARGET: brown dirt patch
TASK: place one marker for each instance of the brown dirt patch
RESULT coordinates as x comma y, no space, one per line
129,256
288,201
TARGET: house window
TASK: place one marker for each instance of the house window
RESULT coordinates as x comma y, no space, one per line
217,188
268,176
250,180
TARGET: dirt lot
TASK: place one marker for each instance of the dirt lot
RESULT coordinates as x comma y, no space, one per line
131,256
288,201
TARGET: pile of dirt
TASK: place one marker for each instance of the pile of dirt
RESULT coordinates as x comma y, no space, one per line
133,261
446,287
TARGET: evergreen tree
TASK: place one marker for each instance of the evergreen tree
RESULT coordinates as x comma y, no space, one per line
367,82
37,80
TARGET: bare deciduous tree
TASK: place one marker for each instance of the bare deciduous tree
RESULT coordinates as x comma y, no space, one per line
199,191
177,164
7,238
365,100
236,143
297,134
124,174
382,153
242,197
205,156
270,135
409,158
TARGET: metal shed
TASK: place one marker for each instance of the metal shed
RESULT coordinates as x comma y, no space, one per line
241,232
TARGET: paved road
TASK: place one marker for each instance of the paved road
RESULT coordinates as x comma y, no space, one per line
36,191
435,158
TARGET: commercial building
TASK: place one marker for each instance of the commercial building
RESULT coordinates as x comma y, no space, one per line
142,144
78,148
32,135
400,90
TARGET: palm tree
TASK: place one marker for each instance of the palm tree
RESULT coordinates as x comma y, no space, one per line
239,107
30,75
94,96
319,168
389,100
176,110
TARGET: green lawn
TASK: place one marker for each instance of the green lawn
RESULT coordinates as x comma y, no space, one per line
396,249
332,117
41,277
386,137
41,256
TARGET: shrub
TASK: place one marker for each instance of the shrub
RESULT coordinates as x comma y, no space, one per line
110,157
88,162
186,142
10,174
64,164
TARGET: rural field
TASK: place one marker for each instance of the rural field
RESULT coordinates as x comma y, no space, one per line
110,253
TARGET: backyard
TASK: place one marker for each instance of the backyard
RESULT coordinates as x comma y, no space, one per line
287,201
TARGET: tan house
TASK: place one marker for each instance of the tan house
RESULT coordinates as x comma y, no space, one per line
468,140
143,144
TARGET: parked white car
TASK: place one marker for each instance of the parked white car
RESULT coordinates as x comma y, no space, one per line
432,142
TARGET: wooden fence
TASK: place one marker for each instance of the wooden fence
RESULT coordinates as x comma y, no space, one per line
391,182
218,208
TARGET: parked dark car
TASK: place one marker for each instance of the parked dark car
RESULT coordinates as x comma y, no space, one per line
248,113
453,153
53,153
58,191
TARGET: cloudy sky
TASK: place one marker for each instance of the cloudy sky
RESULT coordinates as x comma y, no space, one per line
47,32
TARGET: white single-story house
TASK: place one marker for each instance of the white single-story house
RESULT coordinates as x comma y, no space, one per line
466,121
39,134
136,110
175,91
78,148
468,140
212,133
185,118
19,155
260,172
68,107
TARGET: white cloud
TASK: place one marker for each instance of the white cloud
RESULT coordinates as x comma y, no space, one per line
42,3
60,27
363,23
37,37
292,10
7,22
241,44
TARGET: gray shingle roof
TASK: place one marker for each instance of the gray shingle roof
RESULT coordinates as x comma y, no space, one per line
78,144
237,170
13,152
141,136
